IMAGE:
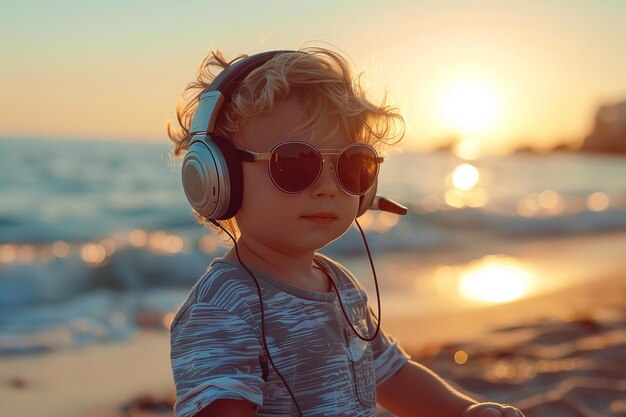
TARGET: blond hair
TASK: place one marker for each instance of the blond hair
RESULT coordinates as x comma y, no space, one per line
320,78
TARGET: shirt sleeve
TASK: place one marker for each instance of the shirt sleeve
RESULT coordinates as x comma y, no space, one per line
214,354
389,357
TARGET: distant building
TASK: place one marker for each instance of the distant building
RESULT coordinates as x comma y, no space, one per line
609,131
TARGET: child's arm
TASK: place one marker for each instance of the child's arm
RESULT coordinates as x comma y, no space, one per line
417,391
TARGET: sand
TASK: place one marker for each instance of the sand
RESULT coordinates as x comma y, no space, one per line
557,353
566,363
86,381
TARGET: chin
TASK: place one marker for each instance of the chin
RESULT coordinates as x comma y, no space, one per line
313,243
334,237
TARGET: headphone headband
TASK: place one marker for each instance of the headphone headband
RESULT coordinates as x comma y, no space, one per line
222,89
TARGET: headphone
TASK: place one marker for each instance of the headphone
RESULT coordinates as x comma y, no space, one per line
211,170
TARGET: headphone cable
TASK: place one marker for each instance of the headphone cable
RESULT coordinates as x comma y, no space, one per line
334,285
265,347
332,281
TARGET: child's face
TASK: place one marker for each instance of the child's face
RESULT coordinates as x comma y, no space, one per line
293,224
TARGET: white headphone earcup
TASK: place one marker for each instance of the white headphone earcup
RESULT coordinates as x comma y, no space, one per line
207,175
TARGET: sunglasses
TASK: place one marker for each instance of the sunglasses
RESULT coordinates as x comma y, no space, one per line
295,166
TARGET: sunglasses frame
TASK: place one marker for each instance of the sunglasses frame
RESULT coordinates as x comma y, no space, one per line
251,156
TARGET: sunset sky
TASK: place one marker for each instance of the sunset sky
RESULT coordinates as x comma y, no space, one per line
502,73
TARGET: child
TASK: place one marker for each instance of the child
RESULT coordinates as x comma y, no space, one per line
281,156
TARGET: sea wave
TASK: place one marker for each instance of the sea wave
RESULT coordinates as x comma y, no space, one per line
96,239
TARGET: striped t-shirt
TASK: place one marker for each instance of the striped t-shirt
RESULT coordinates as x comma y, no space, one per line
216,345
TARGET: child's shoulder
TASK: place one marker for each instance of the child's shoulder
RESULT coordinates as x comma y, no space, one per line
344,278
224,286
225,283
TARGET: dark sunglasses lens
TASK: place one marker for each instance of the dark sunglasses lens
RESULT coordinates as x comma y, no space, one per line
294,167
357,168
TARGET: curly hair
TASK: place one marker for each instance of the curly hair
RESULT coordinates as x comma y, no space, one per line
321,79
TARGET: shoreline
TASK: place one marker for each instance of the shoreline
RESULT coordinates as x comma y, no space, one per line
605,294
531,360
560,270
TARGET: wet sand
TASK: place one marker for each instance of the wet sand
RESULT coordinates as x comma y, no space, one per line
570,363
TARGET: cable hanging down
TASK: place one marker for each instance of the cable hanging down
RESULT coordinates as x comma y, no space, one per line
322,268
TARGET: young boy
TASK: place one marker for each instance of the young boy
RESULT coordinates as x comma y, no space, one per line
281,154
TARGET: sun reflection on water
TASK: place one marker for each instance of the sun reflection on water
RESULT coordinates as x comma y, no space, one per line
495,278
462,188
597,201
465,177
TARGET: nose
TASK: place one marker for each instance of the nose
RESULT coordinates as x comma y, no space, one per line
326,184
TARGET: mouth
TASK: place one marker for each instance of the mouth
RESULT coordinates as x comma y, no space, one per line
320,218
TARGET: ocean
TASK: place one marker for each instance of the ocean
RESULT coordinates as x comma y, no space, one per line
97,239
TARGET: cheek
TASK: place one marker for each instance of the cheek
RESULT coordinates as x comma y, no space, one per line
259,193
256,179
355,203
351,206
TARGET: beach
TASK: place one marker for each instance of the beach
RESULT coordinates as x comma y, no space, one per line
558,351
498,129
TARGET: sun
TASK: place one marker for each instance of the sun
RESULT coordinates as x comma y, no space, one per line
470,107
